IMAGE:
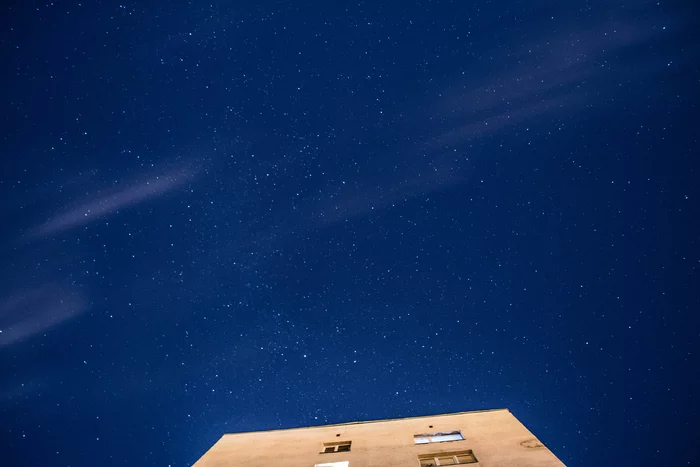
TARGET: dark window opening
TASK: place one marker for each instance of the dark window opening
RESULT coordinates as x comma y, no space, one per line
338,446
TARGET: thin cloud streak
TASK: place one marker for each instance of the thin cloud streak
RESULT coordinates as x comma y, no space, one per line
497,122
549,77
364,198
92,209
37,310
550,63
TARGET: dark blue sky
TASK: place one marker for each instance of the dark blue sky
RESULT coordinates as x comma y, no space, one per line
238,216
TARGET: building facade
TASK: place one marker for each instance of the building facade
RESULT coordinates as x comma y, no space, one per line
492,438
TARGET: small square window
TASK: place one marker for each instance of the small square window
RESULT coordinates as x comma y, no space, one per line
466,458
449,460
338,446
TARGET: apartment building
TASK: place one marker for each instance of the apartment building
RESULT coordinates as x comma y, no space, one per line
489,438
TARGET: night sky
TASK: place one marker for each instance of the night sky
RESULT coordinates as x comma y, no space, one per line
237,216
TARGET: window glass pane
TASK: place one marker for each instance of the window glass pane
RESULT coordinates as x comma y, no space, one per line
343,447
333,464
447,460
427,462
329,449
446,437
466,458
420,439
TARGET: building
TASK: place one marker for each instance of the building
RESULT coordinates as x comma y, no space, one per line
493,438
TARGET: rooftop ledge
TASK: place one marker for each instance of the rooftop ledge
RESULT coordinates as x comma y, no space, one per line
368,421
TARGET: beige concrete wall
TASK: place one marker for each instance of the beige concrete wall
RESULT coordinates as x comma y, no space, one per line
496,437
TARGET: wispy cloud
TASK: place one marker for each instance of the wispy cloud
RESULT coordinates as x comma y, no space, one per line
102,204
551,76
495,123
36,310
364,196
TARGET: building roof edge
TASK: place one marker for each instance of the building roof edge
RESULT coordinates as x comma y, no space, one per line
366,421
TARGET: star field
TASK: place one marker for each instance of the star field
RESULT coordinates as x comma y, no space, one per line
240,216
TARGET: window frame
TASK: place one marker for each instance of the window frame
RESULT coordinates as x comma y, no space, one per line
428,437
435,456
333,464
336,445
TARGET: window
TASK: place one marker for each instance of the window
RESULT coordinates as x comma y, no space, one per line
438,437
338,446
333,464
447,458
